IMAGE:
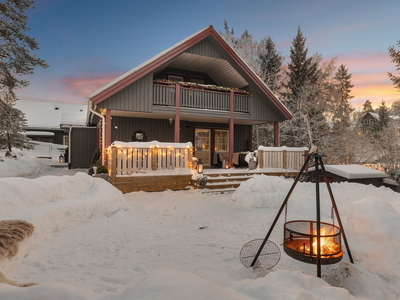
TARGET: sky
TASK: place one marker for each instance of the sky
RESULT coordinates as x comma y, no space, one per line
89,43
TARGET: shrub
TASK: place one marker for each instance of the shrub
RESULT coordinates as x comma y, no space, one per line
102,169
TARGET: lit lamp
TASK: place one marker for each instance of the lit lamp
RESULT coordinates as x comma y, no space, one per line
200,166
61,158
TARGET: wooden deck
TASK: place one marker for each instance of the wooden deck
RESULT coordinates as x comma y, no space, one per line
216,181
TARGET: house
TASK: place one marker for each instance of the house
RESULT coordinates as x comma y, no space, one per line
63,123
199,91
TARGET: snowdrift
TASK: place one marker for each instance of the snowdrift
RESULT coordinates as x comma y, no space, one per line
53,203
23,166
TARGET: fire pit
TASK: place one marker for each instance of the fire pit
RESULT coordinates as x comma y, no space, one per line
300,242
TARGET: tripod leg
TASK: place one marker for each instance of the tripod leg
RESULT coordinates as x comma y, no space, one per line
336,211
280,211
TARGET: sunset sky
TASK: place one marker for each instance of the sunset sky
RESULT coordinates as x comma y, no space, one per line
89,43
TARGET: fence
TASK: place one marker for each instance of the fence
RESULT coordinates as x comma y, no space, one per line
132,158
281,157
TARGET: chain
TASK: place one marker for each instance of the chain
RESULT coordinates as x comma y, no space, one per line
333,216
286,212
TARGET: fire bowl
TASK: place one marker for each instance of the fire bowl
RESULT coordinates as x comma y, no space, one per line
300,242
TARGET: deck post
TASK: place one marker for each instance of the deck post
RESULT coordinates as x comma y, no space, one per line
231,127
112,164
284,159
177,115
276,134
108,132
260,157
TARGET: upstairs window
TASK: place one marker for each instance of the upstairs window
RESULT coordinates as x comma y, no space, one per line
175,78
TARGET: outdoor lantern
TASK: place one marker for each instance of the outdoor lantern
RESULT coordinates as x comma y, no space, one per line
200,167
61,158
227,165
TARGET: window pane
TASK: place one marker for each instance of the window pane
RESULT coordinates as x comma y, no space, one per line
221,140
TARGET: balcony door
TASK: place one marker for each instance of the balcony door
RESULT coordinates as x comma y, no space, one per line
202,145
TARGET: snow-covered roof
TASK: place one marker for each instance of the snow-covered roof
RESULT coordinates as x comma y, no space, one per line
375,115
156,144
353,171
41,133
48,113
73,119
293,149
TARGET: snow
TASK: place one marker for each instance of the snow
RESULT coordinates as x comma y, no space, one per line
47,114
293,149
23,166
43,149
185,245
41,133
353,171
73,119
151,144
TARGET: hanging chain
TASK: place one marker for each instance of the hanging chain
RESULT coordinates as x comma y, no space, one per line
286,212
333,216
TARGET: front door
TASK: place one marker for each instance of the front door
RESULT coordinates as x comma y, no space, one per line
202,145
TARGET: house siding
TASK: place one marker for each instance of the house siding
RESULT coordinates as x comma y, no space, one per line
82,146
137,96
261,110
206,48
163,131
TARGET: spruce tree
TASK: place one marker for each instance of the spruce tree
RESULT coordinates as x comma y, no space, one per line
367,107
16,61
270,62
11,122
343,109
395,56
384,118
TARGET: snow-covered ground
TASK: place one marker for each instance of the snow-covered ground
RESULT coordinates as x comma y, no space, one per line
185,245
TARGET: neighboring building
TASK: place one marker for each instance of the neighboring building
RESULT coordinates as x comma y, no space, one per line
198,90
63,123
370,120
44,118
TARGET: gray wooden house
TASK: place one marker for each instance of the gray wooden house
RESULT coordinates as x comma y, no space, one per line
198,90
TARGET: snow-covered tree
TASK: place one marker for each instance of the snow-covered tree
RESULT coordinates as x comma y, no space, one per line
342,111
367,107
384,118
270,63
11,122
395,56
228,35
395,108
16,60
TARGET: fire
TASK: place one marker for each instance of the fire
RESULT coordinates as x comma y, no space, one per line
328,244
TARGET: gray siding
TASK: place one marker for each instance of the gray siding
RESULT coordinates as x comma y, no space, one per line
82,146
161,130
206,48
137,96
262,110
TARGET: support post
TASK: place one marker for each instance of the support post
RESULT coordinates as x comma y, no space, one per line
113,166
177,114
336,212
108,133
276,134
280,211
231,127
317,157
260,158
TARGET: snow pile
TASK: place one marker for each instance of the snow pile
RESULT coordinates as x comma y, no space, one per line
23,166
53,203
262,191
288,285
45,150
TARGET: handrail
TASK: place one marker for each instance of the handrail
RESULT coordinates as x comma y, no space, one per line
281,157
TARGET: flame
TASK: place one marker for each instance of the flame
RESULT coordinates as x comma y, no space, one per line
328,244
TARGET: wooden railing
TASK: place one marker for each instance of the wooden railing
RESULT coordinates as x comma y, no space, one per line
199,97
132,158
281,157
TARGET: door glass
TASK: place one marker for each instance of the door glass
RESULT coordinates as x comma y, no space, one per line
202,140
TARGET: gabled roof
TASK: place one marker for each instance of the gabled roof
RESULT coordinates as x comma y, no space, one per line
170,53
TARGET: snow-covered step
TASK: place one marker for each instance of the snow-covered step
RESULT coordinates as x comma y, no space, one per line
218,191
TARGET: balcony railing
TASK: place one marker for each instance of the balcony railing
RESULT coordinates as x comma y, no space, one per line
164,94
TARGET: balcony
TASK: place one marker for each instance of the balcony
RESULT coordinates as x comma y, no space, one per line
199,97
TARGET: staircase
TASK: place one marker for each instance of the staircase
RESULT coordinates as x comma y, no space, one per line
223,183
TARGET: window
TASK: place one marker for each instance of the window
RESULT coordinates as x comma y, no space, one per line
221,140
175,78
65,140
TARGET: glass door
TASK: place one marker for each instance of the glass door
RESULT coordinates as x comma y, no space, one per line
202,145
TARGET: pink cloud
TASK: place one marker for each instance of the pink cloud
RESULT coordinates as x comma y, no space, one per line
85,85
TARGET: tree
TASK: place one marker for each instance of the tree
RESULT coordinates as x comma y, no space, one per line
343,109
395,108
16,61
228,35
270,62
367,107
11,122
395,56
384,118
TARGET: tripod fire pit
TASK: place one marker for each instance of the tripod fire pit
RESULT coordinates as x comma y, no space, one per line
312,242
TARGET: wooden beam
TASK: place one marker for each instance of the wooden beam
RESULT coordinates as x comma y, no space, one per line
231,127
177,115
